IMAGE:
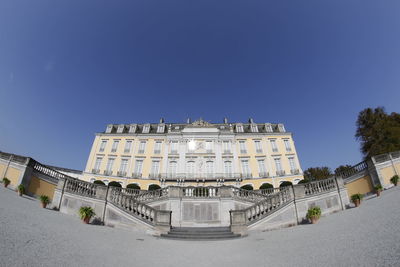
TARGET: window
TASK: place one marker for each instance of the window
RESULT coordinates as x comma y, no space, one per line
226,146
228,168
142,147
160,128
172,169
138,168
257,143
109,166
278,164
273,145
157,147
109,128
132,128
155,166
268,128
190,169
123,167
239,128
245,168
281,128
287,145
103,145
292,165
115,146
120,128
209,146
261,168
254,128
146,128
174,147
128,146
242,146
97,165
210,169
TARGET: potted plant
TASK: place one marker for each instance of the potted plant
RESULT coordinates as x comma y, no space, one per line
21,189
394,180
86,213
356,198
6,182
378,190
313,214
44,200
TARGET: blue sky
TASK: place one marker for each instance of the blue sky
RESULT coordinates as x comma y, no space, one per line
69,68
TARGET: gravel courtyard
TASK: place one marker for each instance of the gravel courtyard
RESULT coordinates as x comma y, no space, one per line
365,236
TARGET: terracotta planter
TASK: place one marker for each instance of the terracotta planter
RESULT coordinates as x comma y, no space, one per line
44,205
357,202
5,185
314,219
378,193
20,193
86,220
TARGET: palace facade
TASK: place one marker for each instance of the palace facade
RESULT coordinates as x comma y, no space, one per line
194,153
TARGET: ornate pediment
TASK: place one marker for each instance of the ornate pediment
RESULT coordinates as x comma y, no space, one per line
201,123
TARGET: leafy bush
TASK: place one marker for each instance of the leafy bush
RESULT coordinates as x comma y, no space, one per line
133,186
314,212
394,180
21,188
266,186
113,183
304,181
85,212
357,196
247,187
99,182
285,183
44,199
6,181
378,187
153,187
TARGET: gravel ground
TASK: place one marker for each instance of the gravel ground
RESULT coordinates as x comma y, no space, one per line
364,236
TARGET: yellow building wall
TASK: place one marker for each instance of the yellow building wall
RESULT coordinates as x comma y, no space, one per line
13,175
2,169
39,187
387,173
397,166
362,186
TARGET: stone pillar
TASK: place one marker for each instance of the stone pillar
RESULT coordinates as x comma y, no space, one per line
342,191
58,193
238,222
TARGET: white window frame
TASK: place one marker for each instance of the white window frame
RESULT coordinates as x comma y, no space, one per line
114,147
287,145
242,146
274,145
142,147
103,145
128,146
258,145
157,147
146,128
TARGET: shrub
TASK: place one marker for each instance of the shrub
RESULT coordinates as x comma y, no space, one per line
153,187
314,212
6,181
304,181
394,180
378,187
113,183
85,212
357,196
21,189
266,186
133,186
285,183
99,182
247,187
44,199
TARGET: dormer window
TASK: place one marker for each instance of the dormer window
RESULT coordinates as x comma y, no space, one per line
281,128
132,128
120,128
109,128
268,128
160,128
146,128
254,128
239,128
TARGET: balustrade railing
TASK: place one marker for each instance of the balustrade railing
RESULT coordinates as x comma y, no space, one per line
132,206
268,191
159,194
200,192
48,171
267,205
248,195
353,170
320,186
82,188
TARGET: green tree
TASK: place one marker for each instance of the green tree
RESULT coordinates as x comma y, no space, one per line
342,169
317,173
377,131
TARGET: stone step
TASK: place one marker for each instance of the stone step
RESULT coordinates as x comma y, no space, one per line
200,233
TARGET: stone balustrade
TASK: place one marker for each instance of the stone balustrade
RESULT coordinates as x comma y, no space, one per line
159,194
83,188
319,186
247,195
268,191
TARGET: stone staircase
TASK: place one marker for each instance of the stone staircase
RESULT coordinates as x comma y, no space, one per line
200,233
